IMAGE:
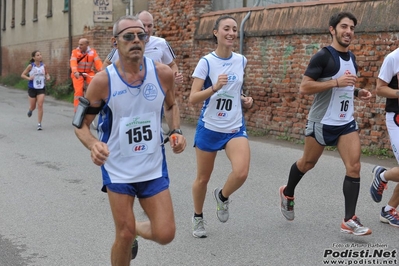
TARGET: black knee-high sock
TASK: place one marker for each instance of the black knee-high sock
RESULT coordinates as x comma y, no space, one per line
293,180
351,189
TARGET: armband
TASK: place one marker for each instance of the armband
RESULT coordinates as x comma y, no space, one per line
95,110
356,92
81,110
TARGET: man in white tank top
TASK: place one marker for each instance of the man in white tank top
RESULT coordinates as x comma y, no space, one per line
132,94
387,86
156,48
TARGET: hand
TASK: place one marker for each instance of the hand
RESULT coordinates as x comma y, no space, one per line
347,80
178,78
99,153
222,80
177,143
76,74
47,77
247,102
364,95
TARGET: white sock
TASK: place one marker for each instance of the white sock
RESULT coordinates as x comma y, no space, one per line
388,208
382,177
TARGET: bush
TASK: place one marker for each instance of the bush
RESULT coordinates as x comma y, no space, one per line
22,84
62,91
12,80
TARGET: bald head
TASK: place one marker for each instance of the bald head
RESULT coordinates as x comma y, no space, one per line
117,25
145,15
83,40
83,44
148,21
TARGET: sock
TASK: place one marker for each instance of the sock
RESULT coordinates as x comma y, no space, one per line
388,208
221,197
382,176
293,180
198,215
351,189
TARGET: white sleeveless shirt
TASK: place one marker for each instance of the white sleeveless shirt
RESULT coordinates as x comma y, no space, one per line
131,127
340,109
222,112
38,74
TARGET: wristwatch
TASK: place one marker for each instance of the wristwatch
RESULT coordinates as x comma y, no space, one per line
356,92
177,131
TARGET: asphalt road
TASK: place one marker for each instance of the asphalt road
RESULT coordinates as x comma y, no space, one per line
53,212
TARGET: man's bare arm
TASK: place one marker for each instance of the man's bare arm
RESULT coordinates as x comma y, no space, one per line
96,93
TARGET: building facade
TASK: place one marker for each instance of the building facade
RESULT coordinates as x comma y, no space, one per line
54,27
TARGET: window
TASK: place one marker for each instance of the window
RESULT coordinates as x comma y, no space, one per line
66,6
4,14
13,14
49,8
35,11
23,21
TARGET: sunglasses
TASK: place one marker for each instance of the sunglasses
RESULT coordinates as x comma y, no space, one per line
132,36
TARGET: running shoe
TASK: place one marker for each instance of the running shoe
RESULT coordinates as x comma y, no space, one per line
199,227
29,113
390,217
39,126
354,226
377,186
286,205
222,208
135,248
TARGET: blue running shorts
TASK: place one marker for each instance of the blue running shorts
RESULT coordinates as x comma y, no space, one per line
210,141
141,189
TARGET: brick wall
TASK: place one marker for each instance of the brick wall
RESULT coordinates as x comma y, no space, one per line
177,22
279,43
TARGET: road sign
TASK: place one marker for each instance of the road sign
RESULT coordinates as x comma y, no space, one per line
102,11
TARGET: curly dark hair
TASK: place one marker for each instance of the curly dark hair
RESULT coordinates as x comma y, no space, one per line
336,18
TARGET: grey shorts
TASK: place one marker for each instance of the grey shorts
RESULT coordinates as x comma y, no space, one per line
327,135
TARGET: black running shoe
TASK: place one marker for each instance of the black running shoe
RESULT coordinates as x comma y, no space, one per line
135,248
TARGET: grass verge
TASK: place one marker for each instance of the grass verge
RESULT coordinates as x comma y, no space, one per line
63,92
